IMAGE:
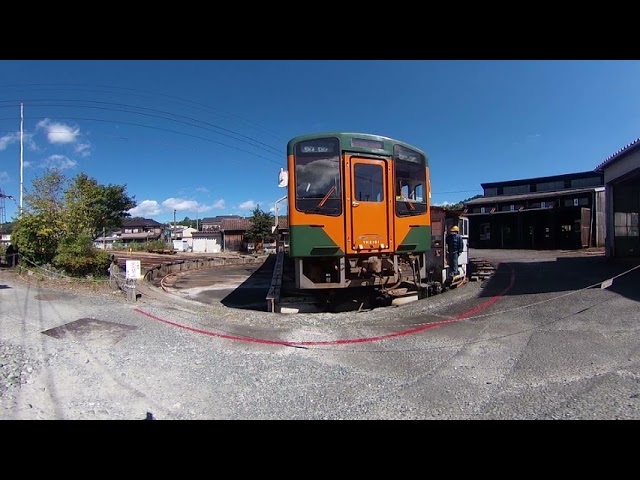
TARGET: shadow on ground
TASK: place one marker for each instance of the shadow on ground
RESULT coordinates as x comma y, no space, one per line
252,293
565,274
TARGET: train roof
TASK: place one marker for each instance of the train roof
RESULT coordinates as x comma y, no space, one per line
345,138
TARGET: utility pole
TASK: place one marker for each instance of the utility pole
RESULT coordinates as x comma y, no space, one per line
174,225
21,154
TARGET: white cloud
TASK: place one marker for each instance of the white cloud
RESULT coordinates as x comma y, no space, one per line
27,140
4,177
59,162
26,164
8,139
149,208
83,149
529,138
62,134
202,190
248,205
58,132
180,204
443,204
218,205
146,208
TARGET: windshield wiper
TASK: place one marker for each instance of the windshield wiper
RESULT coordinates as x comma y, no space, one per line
326,197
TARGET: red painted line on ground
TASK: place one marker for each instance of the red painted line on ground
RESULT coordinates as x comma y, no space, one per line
466,314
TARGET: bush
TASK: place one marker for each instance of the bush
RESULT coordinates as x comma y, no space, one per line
78,258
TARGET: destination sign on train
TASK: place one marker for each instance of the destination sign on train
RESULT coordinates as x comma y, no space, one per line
310,148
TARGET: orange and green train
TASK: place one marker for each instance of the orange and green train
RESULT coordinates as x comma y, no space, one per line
358,211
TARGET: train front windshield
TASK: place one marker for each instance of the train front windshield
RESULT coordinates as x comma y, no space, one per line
318,177
411,182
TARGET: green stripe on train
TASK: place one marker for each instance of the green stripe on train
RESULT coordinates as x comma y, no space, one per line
417,240
308,241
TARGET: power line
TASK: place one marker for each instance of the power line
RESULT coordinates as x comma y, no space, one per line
172,131
275,149
176,100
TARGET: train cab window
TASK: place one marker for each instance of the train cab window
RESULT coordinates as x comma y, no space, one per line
368,183
317,176
411,191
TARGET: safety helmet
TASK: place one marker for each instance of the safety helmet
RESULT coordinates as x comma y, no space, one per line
454,229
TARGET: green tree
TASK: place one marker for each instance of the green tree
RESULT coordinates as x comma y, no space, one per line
189,222
7,228
42,225
260,229
93,208
61,219
460,204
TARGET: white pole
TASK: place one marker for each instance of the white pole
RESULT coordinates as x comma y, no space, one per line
21,154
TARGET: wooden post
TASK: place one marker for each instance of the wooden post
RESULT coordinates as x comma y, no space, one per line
131,289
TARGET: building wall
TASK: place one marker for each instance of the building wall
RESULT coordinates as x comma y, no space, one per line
233,241
622,193
622,167
557,227
600,219
206,245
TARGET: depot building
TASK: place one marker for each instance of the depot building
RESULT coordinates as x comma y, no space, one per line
597,208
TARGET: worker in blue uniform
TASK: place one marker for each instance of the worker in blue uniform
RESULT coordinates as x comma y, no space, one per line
455,246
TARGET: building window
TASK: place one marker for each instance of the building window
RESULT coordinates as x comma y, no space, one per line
516,189
485,231
575,202
490,192
550,186
625,224
586,182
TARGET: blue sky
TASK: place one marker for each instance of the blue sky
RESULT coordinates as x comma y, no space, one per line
208,137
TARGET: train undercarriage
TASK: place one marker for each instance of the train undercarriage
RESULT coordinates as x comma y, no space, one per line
357,282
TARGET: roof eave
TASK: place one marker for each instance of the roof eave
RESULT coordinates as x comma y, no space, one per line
624,151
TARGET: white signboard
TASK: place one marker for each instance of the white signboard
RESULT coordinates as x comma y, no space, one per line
133,269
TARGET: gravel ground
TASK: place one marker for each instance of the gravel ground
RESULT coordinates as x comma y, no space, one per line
19,365
553,345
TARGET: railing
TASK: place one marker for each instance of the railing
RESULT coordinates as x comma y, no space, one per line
273,296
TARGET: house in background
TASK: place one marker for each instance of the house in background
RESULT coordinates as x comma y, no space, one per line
281,230
622,193
106,242
207,241
183,238
143,230
554,212
224,233
215,223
